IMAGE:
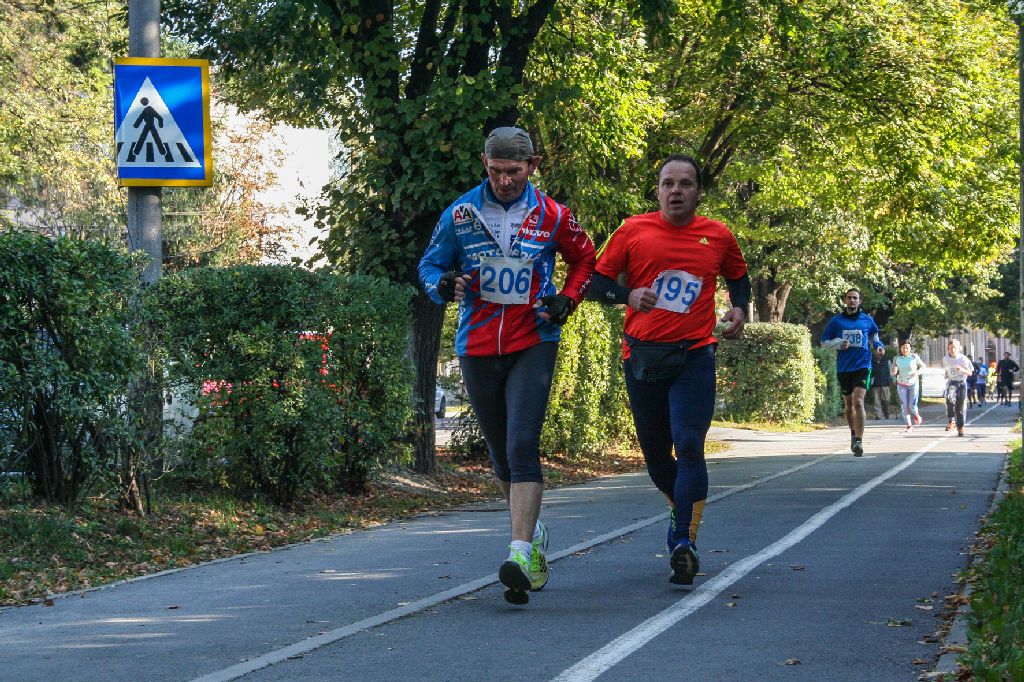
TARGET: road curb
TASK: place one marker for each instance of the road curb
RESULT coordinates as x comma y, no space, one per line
956,639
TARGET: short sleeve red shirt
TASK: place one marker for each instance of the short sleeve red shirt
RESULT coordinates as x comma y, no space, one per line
646,246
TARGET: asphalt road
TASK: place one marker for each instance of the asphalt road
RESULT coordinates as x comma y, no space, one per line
817,566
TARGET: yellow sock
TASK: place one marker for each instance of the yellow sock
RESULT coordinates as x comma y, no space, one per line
695,517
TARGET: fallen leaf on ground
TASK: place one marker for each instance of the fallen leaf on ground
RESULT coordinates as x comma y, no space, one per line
792,661
923,607
796,567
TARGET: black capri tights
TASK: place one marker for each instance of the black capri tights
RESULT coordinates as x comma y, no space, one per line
509,394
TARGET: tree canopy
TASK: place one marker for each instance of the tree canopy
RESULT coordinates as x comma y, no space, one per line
842,142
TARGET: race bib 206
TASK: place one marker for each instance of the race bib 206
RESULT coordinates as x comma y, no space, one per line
505,280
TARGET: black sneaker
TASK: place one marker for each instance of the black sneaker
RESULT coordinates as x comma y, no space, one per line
857,447
685,563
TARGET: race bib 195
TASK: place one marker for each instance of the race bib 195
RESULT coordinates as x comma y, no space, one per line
677,290
505,280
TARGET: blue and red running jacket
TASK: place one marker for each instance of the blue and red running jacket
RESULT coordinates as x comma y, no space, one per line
461,238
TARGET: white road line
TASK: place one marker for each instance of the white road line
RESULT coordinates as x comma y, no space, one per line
305,646
615,651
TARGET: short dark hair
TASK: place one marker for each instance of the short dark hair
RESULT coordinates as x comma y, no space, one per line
847,293
685,158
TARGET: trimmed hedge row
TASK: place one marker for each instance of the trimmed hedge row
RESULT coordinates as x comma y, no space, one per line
300,378
767,374
588,409
67,359
828,400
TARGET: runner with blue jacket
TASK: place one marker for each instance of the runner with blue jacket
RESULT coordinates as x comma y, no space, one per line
853,333
493,252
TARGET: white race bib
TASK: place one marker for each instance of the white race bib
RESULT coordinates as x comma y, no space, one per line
677,290
505,280
855,337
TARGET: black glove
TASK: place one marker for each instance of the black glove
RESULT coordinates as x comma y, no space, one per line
559,307
446,285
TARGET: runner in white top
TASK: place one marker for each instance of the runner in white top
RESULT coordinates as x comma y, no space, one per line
958,367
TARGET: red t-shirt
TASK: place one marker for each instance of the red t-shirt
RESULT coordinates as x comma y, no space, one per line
691,257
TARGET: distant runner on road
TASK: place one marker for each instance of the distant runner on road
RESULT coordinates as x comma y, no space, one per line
671,260
1004,373
853,333
907,367
958,368
493,251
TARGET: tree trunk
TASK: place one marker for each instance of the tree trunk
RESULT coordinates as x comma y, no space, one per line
428,318
882,316
770,298
905,335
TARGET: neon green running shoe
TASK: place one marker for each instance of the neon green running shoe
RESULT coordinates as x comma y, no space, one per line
538,562
514,574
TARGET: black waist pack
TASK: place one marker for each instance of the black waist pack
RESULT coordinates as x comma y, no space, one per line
652,361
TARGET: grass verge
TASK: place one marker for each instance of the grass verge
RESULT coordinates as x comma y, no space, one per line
995,648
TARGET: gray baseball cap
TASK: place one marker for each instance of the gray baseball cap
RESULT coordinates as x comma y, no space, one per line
509,144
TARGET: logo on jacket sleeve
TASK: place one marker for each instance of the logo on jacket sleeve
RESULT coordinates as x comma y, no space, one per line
703,240
462,215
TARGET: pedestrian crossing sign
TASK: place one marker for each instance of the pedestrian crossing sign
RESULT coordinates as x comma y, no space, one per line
162,122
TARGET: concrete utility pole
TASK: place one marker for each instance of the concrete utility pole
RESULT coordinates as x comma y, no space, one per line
145,228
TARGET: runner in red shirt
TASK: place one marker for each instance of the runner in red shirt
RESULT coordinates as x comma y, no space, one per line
671,260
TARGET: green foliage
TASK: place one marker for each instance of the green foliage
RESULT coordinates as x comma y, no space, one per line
467,440
67,358
996,623
1000,313
591,107
767,374
410,87
299,377
56,118
588,409
828,400
879,128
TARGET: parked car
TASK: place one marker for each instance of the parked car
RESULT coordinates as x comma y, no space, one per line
440,401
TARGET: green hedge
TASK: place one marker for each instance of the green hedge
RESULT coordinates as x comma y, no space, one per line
767,374
828,400
588,409
67,357
300,378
